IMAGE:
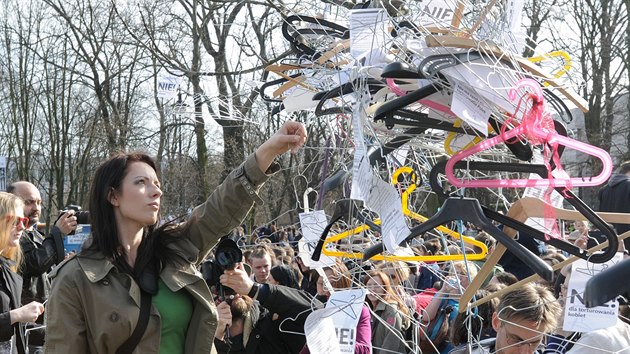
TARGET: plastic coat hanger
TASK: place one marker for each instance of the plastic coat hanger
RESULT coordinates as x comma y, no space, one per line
598,296
533,129
468,209
520,149
325,239
535,208
485,47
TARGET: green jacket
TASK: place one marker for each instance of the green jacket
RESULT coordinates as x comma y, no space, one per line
93,308
388,328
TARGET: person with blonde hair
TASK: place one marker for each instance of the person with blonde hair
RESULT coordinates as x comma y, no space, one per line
391,314
13,316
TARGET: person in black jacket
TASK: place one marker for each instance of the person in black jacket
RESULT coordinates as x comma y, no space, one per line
615,197
40,252
12,314
262,318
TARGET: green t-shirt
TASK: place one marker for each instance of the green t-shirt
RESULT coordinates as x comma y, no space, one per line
175,311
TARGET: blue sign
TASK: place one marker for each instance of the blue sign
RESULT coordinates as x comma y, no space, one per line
74,242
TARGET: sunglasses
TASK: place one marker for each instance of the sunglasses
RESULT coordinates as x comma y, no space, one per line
23,220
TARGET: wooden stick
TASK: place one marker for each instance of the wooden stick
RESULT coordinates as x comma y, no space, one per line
536,277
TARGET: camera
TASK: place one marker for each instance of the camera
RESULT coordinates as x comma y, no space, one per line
83,216
227,255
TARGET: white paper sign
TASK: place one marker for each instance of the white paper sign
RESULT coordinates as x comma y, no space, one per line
437,13
471,107
579,318
312,225
3,162
367,32
344,308
319,329
167,85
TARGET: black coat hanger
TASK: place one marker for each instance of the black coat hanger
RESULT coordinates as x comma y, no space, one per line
607,230
469,209
608,284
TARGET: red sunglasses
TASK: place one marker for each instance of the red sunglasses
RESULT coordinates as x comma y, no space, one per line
23,220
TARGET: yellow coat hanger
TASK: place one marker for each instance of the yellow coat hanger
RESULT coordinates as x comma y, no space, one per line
405,209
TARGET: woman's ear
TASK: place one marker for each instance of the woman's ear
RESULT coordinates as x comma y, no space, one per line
112,197
495,322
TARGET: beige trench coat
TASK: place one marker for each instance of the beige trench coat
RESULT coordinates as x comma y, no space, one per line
93,308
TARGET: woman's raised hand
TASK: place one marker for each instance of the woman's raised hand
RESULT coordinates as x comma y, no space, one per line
290,136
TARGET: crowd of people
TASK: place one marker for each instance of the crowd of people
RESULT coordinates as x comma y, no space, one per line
136,285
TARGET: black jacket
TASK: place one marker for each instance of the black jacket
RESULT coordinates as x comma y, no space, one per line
275,336
615,197
10,293
40,254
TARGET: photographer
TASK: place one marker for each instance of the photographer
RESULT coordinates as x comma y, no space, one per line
261,318
40,252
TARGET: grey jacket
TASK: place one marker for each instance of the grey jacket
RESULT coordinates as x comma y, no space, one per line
93,308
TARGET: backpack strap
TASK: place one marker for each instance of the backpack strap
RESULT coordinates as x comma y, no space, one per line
143,320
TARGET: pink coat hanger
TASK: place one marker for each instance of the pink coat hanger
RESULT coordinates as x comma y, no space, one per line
536,127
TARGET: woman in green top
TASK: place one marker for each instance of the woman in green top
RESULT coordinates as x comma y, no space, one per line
96,297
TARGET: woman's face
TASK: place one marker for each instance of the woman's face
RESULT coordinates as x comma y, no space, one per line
375,288
17,229
137,200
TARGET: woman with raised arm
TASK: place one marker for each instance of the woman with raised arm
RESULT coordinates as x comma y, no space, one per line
13,316
134,287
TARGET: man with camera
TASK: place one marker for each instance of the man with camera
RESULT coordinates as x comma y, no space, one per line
40,252
260,318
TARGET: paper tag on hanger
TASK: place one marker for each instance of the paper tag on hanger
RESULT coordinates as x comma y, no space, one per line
368,29
312,225
470,107
299,99
361,169
339,318
579,318
385,200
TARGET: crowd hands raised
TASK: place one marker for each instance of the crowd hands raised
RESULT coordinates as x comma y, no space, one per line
261,304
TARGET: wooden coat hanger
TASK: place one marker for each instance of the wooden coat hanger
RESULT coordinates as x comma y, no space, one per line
492,49
522,210
463,303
